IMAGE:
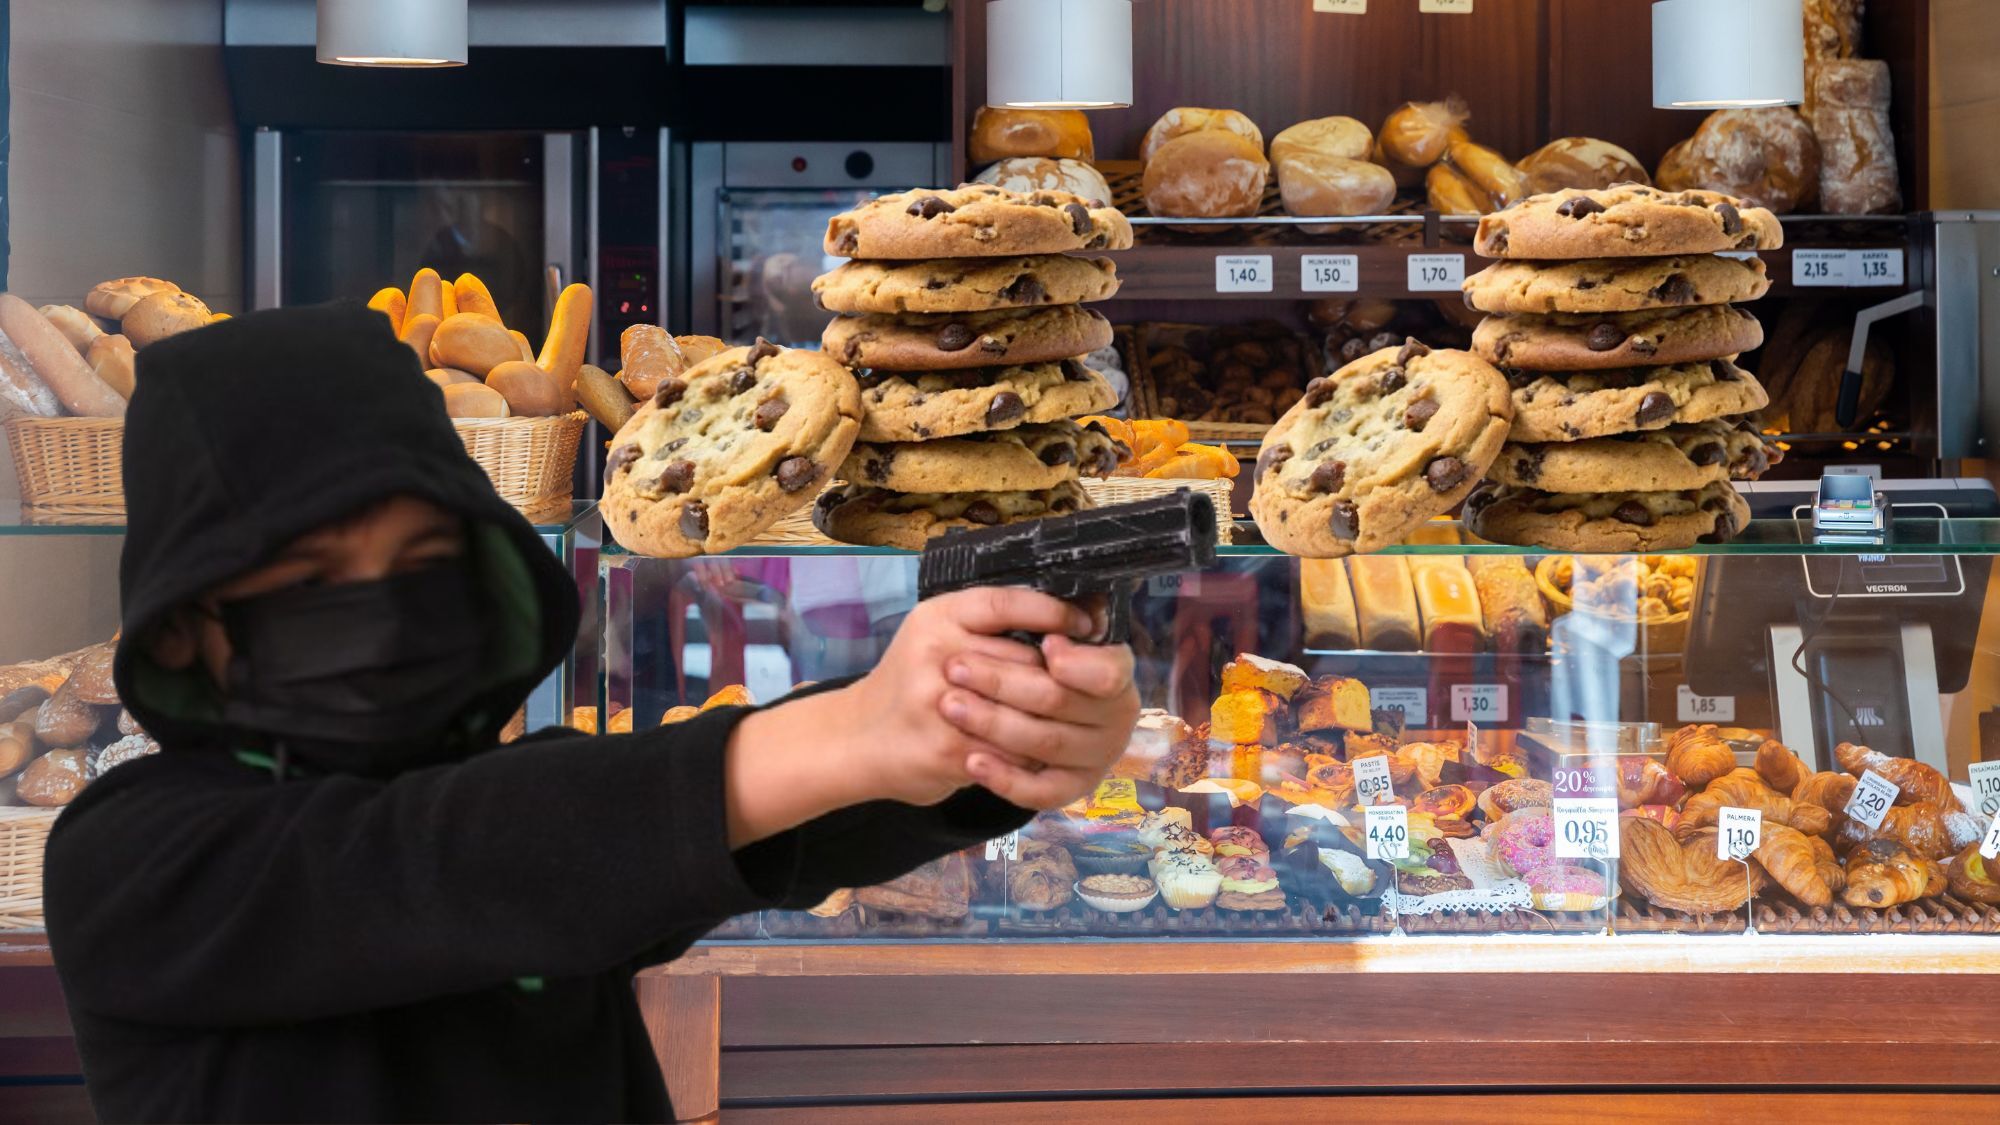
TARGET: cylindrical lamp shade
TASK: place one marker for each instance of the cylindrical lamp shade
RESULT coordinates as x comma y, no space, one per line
393,32
1059,54
1721,54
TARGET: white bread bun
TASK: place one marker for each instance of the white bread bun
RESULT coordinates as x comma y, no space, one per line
475,400
113,299
417,332
113,360
1211,174
1183,120
447,377
165,314
530,391
1041,173
1580,162
1327,136
65,372
1313,183
76,326
473,342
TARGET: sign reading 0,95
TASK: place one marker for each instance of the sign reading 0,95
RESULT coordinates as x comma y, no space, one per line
1243,273
1329,273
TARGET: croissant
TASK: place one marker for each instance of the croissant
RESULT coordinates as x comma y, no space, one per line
1917,781
1788,857
1779,767
1884,873
1829,790
1676,875
1643,781
1742,788
1697,755
1827,864
1931,831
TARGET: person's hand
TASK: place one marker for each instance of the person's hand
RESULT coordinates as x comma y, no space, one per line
1048,731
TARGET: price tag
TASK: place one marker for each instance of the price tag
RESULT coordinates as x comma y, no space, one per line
1436,273
1243,273
1171,585
1008,846
1738,832
1819,267
1478,702
1705,708
1989,847
1413,702
1586,827
1371,780
1343,7
1872,797
1985,787
1585,777
1329,273
1387,829
1875,267
1446,7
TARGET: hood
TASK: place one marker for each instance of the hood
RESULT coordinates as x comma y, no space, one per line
246,434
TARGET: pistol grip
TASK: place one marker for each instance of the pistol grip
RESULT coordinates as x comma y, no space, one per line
1117,615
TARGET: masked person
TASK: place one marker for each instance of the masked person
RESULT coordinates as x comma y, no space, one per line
331,895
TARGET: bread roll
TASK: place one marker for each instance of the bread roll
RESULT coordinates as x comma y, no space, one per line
604,398
1417,133
1314,184
418,331
1326,601
473,343
698,348
1766,157
17,745
1451,193
1406,176
66,719
449,377
1503,183
651,356
1327,136
1848,107
1385,601
477,400
112,359
521,342
1581,162
1510,603
75,326
56,363
162,315
569,337
999,132
1183,120
471,296
531,391
54,779
113,299
426,295
22,391
1448,605
391,303
1042,173
1212,174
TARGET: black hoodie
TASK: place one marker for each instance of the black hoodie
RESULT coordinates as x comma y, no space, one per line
448,938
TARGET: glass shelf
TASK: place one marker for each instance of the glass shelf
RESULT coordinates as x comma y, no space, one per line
552,522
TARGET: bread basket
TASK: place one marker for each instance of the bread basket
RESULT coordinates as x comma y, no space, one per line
797,530
1659,634
70,469
531,461
24,835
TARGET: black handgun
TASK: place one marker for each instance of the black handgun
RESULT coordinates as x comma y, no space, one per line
1104,551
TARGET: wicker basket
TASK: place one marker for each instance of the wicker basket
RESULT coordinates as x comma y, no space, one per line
531,460
1662,634
797,530
24,834
70,468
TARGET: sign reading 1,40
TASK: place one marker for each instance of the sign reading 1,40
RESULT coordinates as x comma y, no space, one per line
1243,273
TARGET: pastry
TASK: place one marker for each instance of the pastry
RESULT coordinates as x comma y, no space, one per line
1787,856
1580,162
1210,174
1510,603
1515,794
717,456
1914,781
1454,802
918,406
1422,883
1326,602
1643,781
999,132
1251,715
1350,871
1117,894
1237,840
973,221
1596,341
1930,830
1025,174
1766,157
1326,136
877,517
939,889
1272,899
1249,670
1377,448
1043,877
1605,521
947,285
1883,873
1040,455
1187,880
1333,703
1780,768
1385,600
54,779
941,342
1742,788
1629,220
1684,875
1183,120
1246,874
1677,458
1572,406
1972,877
1615,284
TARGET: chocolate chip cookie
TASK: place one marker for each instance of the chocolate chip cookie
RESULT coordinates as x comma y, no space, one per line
1572,406
934,342
945,285
975,221
722,451
1670,459
1626,221
1606,521
877,517
918,406
1025,457
1615,284
1596,341
1377,448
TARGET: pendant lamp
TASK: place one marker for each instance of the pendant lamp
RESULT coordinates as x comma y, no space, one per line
1728,54
407,33
1059,54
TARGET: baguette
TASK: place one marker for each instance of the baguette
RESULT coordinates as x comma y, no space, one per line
472,342
75,325
426,296
391,303
473,297
58,365
1501,181
569,337
112,359
1451,192
604,397
21,390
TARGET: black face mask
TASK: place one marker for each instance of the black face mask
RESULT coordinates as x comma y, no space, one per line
388,662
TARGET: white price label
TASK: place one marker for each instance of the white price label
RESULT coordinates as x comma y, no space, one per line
1586,827
1985,787
1008,846
1371,780
1387,829
1875,267
1329,273
1738,832
1989,847
1343,7
1705,708
1436,273
1446,7
1873,795
1243,273
1485,703
1413,702
1819,267
1171,585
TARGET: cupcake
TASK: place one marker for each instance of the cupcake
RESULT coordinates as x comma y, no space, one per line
1187,881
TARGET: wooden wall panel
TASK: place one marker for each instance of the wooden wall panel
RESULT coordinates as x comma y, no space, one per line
1963,102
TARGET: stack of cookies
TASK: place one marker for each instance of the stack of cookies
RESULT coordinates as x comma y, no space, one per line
963,315
1612,313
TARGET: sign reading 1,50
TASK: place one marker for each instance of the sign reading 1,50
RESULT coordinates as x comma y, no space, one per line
1329,273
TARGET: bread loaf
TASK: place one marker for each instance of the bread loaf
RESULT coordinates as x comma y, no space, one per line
1325,136
1448,606
162,315
54,779
999,132
1767,157
66,719
1043,173
1385,602
111,359
1212,174
1832,29
1503,183
473,343
651,356
75,326
477,400
531,391
569,338
1417,133
1312,183
113,299
604,398
1326,602
1848,108
1510,603
1183,120
56,363
1580,162
1451,193
22,391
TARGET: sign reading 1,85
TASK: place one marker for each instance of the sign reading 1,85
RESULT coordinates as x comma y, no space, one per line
1329,273
1436,273
1243,273
1478,702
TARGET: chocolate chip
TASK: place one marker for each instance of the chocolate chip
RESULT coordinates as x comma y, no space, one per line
982,512
694,520
930,207
827,502
1328,476
1103,462
742,379
1392,381
1381,340
678,476
1318,391
1604,337
878,466
848,242
1732,220
1578,207
760,351
1005,407
768,413
621,457
1725,371
1499,242
993,344
1707,453
1420,414
1061,453
1320,447
1353,349
1585,283
1634,513
1344,521
670,392
1725,526
1675,290
955,337
1529,465
1074,371
795,473
1412,348
1446,473
672,446
1655,408
1079,217
1024,290
1269,460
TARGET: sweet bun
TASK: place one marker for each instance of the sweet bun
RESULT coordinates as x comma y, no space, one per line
1212,174
113,299
475,400
111,359
1327,136
1580,162
1418,133
1183,120
55,363
474,343
530,391
75,325
999,132
1042,173
162,315
1314,184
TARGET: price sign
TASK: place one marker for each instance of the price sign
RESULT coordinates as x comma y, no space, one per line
1413,702
1586,827
1875,267
1446,7
1986,787
1585,777
1989,847
1819,267
1738,832
1243,273
1371,780
1008,846
1436,273
1873,795
1705,708
1343,7
1387,829
1329,273
1478,702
